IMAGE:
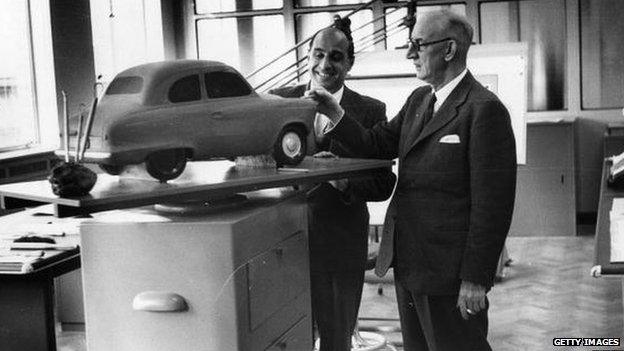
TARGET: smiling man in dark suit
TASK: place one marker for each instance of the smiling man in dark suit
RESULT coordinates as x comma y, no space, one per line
338,216
451,211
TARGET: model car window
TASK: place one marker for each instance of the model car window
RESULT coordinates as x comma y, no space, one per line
125,85
225,84
185,89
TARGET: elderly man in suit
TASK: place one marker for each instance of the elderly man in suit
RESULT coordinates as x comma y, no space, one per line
451,211
338,215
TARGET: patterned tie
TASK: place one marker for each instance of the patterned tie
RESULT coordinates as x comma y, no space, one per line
429,111
320,122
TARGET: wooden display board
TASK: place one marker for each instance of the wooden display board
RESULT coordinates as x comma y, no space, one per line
201,180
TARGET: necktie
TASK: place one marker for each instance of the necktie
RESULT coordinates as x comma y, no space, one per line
320,122
429,112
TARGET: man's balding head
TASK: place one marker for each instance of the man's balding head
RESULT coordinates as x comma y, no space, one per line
439,46
450,24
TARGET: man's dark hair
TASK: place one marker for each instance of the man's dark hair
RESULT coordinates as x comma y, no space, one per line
344,26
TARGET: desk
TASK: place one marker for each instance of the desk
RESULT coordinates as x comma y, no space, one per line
602,251
27,298
602,248
613,145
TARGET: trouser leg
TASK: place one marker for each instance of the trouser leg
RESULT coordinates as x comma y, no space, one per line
335,302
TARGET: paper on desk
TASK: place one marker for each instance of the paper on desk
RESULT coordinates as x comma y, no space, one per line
616,217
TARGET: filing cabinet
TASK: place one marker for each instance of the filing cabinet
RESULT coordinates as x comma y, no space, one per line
545,189
233,279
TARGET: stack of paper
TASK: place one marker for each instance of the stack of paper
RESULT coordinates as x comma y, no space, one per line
616,217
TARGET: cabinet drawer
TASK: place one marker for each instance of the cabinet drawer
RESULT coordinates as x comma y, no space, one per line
276,278
296,338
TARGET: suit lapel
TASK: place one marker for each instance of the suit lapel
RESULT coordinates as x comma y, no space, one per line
347,102
415,128
447,112
348,97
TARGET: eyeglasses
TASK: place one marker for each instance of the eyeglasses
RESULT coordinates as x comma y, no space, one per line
418,44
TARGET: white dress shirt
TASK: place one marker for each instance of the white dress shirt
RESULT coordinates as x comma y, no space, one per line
443,93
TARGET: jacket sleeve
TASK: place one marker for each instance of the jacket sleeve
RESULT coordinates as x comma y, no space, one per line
380,141
492,158
379,186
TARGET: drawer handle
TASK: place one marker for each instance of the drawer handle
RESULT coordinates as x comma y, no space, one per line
159,301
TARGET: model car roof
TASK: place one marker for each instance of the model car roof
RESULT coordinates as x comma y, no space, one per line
166,68
156,74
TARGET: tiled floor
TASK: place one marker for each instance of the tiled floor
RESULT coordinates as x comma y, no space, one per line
547,292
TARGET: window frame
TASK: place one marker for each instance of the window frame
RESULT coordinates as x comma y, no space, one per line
573,53
621,106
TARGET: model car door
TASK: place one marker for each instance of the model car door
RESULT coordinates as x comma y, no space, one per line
240,115
190,118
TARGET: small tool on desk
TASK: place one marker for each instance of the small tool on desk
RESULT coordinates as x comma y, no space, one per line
34,239
65,126
42,246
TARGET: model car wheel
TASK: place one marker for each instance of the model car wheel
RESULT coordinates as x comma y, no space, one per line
112,169
165,165
290,147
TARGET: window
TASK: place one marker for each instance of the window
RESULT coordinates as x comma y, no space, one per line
18,114
185,89
125,34
246,43
310,23
602,72
306,3
125,85
225,84
210,6
541,23
397,38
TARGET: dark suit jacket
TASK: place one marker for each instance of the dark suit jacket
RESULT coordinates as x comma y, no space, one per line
338,222
452,207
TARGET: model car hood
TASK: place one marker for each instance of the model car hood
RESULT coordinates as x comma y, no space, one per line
294,102
268,96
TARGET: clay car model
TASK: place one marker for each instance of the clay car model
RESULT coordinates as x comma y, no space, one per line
166,113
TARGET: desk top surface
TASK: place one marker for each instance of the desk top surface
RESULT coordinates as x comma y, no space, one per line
40,259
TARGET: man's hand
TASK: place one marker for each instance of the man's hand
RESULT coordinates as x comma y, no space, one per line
325,154
340,184
327,104
471,299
